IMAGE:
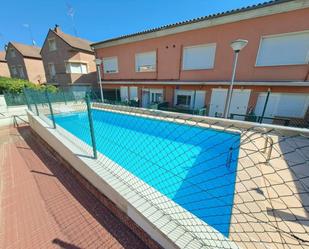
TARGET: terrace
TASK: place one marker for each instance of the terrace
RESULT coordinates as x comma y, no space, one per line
183,181
44,205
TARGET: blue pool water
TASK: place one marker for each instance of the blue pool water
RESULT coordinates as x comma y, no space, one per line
185,163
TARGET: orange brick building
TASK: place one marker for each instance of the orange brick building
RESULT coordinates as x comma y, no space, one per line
189,64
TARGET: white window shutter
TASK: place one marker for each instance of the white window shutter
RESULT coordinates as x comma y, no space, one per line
287,49
199,57
145,61
110,65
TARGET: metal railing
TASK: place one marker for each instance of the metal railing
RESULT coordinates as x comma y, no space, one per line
14,99
260,119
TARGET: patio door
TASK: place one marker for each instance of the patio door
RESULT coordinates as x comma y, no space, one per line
217,102
290,105
239,102
133,93
145,98
199,100
124,93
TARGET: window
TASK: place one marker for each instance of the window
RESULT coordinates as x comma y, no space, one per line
52,70
21,71
156,95
52,44
183,100
145,62
199,57
13,71
76,67
285,49
12,52
110,65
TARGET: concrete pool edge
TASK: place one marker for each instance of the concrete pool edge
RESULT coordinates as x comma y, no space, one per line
216,123
151,219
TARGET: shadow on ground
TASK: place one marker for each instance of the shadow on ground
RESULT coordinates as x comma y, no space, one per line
80,216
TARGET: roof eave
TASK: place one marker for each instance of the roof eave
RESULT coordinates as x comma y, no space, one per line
83,50
32,57
79,49
269,8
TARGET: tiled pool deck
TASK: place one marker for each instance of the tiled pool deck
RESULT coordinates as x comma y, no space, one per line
42,205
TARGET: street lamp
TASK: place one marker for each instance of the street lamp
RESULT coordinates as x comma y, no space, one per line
98,62
237,45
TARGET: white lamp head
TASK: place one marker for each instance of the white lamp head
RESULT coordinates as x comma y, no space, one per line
98,61
239,44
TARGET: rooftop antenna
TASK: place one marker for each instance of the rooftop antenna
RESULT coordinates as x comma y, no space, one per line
3,38
27,26
71,12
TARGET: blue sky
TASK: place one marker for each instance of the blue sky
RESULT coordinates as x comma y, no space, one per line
98,20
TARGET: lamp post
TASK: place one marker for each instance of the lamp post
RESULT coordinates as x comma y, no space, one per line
98,62
237,46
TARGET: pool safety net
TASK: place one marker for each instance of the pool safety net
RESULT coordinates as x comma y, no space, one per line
205,182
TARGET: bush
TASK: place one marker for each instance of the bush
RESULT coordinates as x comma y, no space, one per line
16,86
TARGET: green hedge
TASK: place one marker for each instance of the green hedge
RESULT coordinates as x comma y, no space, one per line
12,89
16,86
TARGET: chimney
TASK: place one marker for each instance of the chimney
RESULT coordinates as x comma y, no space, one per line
57,28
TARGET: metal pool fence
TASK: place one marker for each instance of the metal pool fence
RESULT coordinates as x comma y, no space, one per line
248,181
14,99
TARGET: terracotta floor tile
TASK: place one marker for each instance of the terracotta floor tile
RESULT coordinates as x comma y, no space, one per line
42,205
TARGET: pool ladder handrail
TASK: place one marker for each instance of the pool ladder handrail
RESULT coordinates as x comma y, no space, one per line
229,157
271,142
267,139
230,153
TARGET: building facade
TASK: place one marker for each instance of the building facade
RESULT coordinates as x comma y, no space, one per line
189,64
4,69
68,60
25,62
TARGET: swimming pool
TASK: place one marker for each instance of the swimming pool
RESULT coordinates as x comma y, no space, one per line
190,165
